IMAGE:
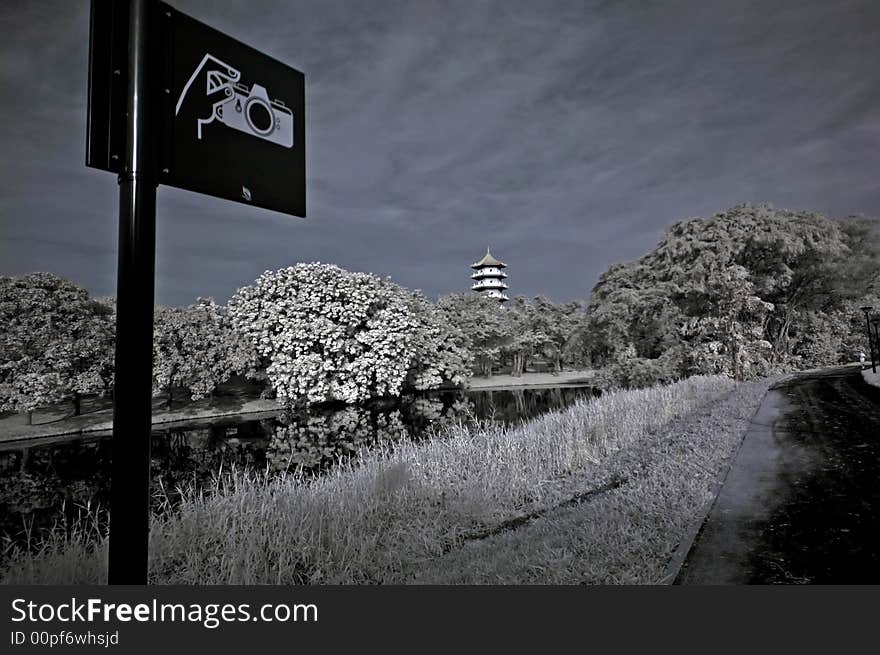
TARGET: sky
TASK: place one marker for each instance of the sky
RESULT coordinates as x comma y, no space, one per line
565,135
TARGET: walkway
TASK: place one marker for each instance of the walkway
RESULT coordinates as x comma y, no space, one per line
801,502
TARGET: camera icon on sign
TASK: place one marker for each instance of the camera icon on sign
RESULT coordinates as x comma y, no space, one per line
249,110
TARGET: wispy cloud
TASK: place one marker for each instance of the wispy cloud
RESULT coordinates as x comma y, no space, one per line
567,135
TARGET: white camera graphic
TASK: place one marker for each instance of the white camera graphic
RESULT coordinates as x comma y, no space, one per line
249,110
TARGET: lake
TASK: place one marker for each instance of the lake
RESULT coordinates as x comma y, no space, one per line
36,482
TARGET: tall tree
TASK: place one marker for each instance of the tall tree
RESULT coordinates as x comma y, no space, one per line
555,325
482,325
197,348
57,342
740,292
438,353
528,337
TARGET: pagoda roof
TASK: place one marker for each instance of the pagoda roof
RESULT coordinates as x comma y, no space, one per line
488,260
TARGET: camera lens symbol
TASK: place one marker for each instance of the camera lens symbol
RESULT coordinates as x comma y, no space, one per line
259,115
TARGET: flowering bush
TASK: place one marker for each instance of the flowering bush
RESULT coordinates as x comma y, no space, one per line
329,334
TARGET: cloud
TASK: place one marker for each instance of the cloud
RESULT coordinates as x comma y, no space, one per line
567,135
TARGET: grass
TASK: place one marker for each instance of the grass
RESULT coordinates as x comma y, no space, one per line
627,534
447,509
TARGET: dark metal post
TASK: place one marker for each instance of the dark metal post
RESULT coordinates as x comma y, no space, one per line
132,408
870,337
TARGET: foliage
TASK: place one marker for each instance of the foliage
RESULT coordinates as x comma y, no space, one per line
85,355
328,334
639,372
518,331
57,342
196,347
438,356
524,340
746,292
542,327
482,325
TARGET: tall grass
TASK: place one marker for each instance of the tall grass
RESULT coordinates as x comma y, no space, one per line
380,517
627,534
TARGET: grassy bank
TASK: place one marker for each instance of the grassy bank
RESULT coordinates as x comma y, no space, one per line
429,511
628,533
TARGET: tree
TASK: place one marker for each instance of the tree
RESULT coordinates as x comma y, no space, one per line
328,334
438,354
196,347
84,355
826,337
555,326
107,367
521,343
484,329
742,292
728,336
57,342
516,332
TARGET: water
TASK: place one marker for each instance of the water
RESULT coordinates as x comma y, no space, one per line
35,483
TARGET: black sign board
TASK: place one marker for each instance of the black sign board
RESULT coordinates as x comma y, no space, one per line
173,101
231,120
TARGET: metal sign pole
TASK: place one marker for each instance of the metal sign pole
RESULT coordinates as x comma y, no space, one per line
132,408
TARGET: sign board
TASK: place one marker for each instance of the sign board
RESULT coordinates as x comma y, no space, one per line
231,119
108,61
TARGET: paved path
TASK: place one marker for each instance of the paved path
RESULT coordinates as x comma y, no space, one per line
801,502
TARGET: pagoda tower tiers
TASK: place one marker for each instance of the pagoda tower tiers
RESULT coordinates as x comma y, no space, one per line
489,278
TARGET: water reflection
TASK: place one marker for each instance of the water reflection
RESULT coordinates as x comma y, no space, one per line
313,441
36,483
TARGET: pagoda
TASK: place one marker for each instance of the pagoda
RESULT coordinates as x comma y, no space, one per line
489,278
